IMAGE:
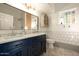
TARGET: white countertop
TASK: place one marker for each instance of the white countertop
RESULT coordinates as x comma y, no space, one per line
17,37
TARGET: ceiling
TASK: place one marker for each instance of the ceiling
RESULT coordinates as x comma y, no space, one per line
64,6
43,7
49,7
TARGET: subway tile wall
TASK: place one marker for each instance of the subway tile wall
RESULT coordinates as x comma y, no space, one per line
66,37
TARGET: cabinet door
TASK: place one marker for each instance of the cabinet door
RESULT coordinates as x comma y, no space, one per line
36,45
18,47
27,47
5,49
11,48
3,52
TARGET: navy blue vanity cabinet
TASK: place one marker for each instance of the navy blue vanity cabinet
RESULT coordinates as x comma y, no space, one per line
33,46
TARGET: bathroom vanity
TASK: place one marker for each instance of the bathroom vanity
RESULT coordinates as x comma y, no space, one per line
15,39
26,45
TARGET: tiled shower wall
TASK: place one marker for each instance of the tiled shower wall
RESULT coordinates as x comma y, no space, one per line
66,37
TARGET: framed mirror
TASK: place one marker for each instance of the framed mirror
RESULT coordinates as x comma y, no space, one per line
12,18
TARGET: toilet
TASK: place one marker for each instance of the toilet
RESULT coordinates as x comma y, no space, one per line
50,43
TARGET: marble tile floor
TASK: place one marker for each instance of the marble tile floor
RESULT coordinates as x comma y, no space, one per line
56,51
